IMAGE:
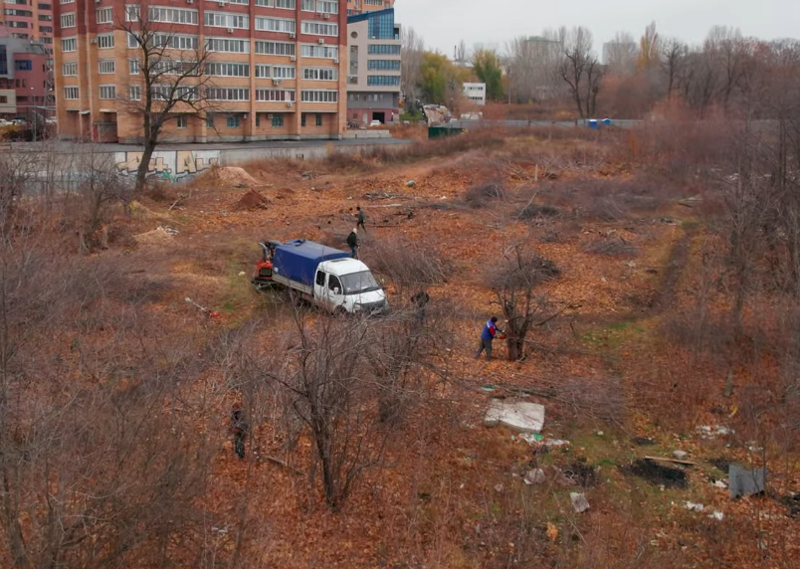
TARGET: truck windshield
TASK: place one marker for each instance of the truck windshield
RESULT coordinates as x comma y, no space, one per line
357,283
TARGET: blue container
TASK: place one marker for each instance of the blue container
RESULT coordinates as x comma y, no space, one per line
593,124
607,122
298,260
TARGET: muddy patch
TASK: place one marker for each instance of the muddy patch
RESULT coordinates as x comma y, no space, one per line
658,474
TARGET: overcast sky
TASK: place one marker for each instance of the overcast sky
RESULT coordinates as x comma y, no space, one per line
443,23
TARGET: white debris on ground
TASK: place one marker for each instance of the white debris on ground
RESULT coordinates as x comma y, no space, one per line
535,476
709,432
719,516
692,506
579,502
521,416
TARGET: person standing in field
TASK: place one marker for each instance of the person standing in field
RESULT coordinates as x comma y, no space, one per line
239,429
352,242
490,331
361,218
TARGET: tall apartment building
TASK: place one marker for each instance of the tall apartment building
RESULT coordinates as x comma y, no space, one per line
373,77
29,19
273,71
25,85
356,7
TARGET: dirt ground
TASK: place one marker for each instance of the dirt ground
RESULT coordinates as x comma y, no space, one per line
451,493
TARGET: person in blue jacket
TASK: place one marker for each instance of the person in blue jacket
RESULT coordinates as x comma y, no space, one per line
490,331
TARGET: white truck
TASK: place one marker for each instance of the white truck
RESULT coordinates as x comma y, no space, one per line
321,275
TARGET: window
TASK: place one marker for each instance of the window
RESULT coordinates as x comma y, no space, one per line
105,41
69,44
106,66
319,119
209,120
69,69
133,66
105,16
333,284
135,92
320,96
227,94
382,27
3,99
70,93
182,121
26,13
377,49
274,95
262,71
320,278
308,5
66,1
283,72
132,13
383,80
321,51
45,7
303,119
228,69
23,65
274,48
277,120
46,29
45,18
383,65
172,15
320,29
327,6
286,4
108,92
228,45
321,73
243,2
133,41
233,121
174,41
18,25
276,25
223,20
174,93
67,20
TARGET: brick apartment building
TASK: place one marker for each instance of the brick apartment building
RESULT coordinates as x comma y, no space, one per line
373,78
25,77
273,74
355,7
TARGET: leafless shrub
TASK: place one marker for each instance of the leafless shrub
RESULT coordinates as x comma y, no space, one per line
536,211
479,195
612,248
408,265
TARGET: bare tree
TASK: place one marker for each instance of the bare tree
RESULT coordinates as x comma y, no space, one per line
581,70
173,77
514,281
673,59
620,54
534,66
411,52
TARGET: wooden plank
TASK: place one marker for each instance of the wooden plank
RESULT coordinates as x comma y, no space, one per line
673,460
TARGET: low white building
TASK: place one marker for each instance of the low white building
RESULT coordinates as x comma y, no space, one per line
475,92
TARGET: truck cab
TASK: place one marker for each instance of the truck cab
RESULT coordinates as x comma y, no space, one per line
347,285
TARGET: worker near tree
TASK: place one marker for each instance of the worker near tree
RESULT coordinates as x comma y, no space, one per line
361,218
239,429
352,242
490,332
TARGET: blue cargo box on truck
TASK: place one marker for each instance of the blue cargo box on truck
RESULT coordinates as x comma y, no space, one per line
298,260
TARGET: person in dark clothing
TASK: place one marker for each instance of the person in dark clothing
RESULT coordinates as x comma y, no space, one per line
352,242
420,300
239,429
490,331
361,218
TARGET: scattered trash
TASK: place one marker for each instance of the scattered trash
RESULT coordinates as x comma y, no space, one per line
242,273
531,438
600,433
746,482
694,507
411,183
644,441
168,230
582,474
499,488
535,476
658,474
680,454
489,388
708,432
220,531
579,502
518,415
555,443
552,532
719,516
721,484
202,309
